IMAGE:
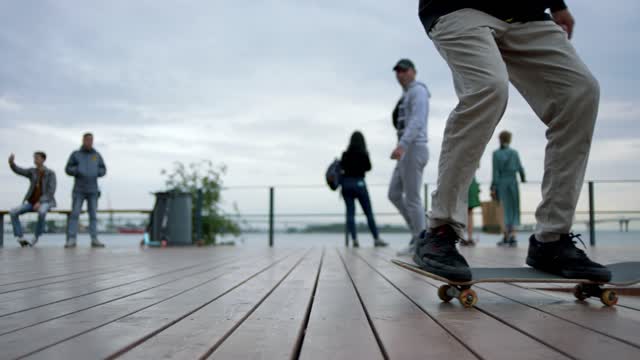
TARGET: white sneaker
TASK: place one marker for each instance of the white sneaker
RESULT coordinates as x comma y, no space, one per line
23,242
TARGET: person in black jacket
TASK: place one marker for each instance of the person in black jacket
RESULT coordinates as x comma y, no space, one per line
487,45
355,163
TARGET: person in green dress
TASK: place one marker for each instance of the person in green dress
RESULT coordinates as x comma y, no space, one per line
474,202
506,164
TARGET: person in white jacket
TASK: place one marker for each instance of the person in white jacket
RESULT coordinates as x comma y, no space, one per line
411,152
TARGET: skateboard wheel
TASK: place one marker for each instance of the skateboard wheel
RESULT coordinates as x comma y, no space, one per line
442,293
609,297
468,298
579,292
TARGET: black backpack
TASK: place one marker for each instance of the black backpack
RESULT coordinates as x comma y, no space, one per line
334,175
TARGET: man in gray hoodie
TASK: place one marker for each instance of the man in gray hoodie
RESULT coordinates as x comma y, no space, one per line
411,152
86,166
39,197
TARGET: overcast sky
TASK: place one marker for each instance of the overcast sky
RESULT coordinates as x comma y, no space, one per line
271,88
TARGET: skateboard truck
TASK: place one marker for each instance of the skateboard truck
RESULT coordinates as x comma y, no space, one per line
584,291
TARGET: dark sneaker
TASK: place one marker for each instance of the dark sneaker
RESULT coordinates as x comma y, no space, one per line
467,242
356,244
563,258
436,252
512,242
23,242
96,244
380,243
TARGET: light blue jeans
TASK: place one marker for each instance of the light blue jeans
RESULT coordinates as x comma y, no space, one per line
92,207
25,208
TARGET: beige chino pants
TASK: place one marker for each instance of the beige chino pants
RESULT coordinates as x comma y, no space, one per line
484,55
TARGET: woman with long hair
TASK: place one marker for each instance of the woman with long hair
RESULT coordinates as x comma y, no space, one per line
355,163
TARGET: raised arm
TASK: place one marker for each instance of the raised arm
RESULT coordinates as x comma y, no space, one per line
17,169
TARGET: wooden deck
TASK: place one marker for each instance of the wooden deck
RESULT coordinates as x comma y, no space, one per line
315,303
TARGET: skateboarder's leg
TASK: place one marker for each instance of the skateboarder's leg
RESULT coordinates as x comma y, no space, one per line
466,39
546,69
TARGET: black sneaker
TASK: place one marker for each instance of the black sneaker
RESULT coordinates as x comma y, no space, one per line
563,258
436,253
380,243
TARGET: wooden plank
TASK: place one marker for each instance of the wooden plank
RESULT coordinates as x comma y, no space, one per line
172,314
484,335
276,328
33,298
23,319
558,333
65,264
53,332
215,320
399,322
338,327
620,323
83,278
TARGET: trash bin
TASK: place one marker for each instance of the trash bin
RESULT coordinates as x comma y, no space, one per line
171,218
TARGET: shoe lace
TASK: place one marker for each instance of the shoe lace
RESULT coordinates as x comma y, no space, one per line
450,247
579,251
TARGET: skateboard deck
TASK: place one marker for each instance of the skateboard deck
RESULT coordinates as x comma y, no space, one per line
623,274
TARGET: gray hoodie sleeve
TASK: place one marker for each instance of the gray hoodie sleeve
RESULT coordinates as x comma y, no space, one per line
418,107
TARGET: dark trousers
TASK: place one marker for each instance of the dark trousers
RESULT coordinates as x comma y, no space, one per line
352,189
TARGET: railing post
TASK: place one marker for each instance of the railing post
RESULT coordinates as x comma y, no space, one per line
346,230
426,198
592,216
199,216
1,229
66,228
271,216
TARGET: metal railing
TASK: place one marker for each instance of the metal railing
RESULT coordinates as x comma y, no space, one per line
67,214
591,212
301,216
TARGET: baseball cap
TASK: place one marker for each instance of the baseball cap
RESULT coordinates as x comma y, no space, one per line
404,64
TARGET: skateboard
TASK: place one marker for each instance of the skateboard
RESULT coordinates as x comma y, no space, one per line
623,274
